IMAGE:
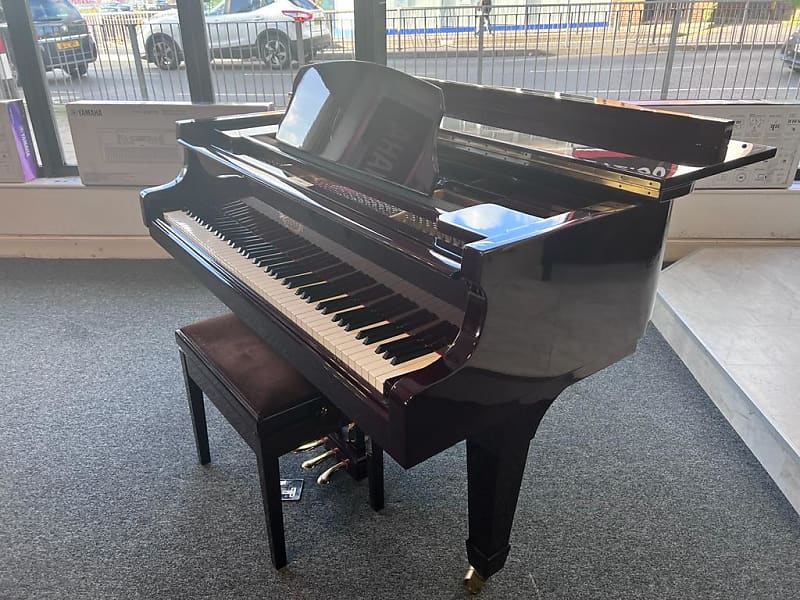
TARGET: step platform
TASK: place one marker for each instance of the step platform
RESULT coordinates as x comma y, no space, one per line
733,316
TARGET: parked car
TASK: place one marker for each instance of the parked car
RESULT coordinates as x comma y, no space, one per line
64,38
115,7
157,5
265,29
790,52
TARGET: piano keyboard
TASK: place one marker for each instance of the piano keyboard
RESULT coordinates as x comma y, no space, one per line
377,331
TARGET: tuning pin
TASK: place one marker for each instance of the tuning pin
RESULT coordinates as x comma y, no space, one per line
313,462
309,446
325,478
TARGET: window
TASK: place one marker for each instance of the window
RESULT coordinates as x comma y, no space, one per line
241,6
304,4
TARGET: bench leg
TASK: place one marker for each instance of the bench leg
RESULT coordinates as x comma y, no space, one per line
269,474
375,475
198,411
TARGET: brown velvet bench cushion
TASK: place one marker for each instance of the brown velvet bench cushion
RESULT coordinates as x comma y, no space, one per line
265,382
267,402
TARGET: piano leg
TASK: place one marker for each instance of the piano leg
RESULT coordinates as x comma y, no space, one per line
495,465
375,474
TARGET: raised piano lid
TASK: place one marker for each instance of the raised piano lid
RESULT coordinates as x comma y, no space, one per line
384,125
635,174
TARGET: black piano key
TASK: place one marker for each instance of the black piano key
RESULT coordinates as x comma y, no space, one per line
237,209
338,304
275,258
312,262
391,349
348,283
296,266
421,338
262,245
302,280
386,308
433,345
260,248
360,307
288,242
318,276
241,240
269,233
382,305
284,258
370,317
401,358
404,324
257,255
234,231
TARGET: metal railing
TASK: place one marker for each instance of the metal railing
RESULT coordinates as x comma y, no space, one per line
625,50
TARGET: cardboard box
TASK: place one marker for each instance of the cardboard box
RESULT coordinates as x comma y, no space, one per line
772,123
133,143
17,156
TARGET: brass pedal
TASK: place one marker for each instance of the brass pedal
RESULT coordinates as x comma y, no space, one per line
310,446
313,462
325,478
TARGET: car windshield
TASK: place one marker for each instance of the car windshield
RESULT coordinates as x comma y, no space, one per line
53,10
304,4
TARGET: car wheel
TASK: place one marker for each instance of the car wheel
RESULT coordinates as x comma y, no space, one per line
77,71
275,50
166,53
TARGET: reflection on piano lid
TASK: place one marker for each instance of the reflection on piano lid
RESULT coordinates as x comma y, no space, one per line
367,117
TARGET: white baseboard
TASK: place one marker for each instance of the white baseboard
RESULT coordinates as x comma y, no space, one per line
75,246
678,248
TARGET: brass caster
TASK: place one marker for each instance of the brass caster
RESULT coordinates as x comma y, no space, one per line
473,581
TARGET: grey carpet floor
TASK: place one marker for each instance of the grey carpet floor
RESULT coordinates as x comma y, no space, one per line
635,488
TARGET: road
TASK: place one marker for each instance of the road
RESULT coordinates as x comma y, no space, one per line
702,74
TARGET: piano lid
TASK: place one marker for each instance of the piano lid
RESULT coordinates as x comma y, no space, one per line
367,117
391,133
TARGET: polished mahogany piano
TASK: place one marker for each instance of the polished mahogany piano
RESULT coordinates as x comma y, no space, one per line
440,259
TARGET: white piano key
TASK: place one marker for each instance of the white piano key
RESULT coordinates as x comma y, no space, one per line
361,358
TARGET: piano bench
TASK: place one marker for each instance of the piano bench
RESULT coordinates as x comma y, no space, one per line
267,402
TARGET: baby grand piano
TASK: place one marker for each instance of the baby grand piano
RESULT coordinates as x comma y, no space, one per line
440,259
